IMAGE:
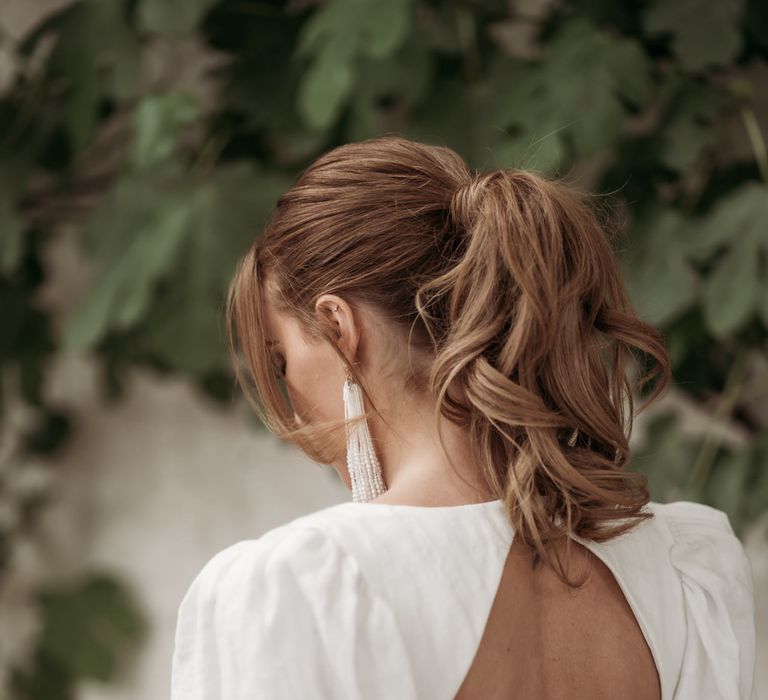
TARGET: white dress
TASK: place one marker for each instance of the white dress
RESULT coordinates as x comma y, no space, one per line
374,601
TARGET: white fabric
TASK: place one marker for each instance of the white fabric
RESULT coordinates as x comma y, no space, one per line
719,604
365,600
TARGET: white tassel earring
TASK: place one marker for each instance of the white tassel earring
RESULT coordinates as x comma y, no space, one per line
364,469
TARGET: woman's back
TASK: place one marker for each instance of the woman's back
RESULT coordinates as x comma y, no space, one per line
365,600
546,640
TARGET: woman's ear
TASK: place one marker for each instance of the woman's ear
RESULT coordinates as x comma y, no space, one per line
339,314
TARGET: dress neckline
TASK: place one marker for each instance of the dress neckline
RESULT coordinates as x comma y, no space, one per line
480,505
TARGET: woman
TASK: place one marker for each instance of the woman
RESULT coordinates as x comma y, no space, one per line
494,546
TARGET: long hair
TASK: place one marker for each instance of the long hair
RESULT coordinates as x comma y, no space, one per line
510,292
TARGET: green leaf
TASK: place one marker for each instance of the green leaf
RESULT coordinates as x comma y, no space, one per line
730,292
402,78
334,38
552,99
726,486
664,457
264,91
326,85
687,130
704,32
172,17
185,325
95,56
460,116
157,122
163,246
660,281
740,215
86,628
386,27
138,230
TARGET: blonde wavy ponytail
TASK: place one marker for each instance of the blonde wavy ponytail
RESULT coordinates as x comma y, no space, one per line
541,334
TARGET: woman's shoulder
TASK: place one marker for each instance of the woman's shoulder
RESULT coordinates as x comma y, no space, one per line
718,592
690,513
705,547
267,617
353,582
299,542
305,546
288,545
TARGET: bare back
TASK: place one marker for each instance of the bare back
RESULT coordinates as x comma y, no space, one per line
545,641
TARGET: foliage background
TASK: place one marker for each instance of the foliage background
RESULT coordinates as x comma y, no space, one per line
162,131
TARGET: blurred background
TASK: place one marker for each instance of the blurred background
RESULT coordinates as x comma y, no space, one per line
142,144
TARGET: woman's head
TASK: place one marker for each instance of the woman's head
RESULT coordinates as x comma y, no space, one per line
312,369
495,298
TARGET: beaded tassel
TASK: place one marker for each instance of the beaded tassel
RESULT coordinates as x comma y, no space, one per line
363,466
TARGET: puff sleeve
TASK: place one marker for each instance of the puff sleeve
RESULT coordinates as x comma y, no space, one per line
718,590
286,616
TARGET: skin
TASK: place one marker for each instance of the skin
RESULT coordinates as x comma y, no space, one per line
415,468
